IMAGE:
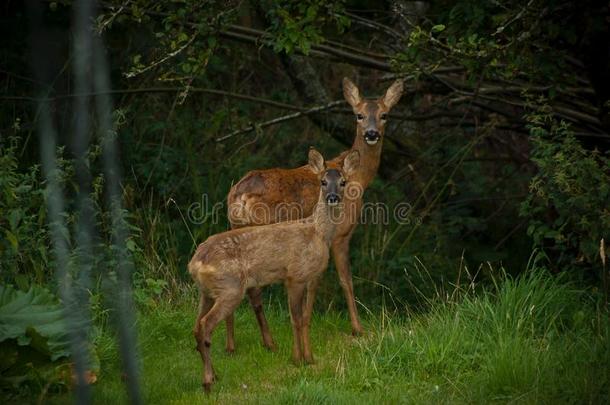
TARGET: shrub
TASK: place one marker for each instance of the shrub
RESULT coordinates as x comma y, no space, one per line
569,201
23,246
34,340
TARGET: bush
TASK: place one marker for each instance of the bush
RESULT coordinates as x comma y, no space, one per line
34,340
24,253
569,201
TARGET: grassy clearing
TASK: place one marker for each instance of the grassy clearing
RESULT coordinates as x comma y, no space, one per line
530,340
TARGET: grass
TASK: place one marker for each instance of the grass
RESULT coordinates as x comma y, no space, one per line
529,340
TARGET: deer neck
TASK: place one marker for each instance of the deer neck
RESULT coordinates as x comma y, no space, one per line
325,219
370,156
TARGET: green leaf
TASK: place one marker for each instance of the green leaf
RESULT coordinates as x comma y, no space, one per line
33,318
131,246
438,28
14,217
12,239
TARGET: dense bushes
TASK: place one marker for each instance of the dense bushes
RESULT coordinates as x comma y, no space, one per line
568,206
24,244
34,338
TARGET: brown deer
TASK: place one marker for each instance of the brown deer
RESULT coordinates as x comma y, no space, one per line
226,265
270,196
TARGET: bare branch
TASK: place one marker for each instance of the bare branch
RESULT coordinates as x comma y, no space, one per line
375,25
239,96
164,59
282,119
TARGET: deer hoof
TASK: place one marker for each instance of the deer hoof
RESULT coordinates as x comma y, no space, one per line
207,383
357,332
270,346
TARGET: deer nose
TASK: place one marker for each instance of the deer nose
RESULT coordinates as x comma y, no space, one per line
332,199
371,136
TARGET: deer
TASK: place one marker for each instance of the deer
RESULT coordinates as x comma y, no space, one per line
296,252
277,189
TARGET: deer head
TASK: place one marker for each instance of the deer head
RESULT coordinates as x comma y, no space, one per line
334,180
371,115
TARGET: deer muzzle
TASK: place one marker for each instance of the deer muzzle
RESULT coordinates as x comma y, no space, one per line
371,137
333,199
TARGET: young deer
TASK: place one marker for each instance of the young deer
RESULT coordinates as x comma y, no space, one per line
270,196
295,252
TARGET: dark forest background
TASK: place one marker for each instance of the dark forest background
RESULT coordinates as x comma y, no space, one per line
498,152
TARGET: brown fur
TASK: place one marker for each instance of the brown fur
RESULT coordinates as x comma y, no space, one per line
228,264
274,187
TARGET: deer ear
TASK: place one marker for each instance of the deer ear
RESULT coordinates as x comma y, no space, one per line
351,92
351,163
316,161
393,94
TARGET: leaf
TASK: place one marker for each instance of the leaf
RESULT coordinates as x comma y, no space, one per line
12,239
438,28
131,245
14,217
33,318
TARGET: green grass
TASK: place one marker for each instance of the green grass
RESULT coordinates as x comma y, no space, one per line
530,340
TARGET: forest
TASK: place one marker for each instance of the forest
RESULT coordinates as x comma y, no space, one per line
479,261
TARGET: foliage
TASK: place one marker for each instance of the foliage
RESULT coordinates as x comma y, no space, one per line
465,195
34,338
296,26
184,35
25,249
24,253
457,156
33,318
497,41
148,291
569,199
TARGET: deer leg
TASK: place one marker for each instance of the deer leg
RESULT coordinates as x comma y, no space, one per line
220,310
256,300
204,306
309,301
340,248
295,303
230,348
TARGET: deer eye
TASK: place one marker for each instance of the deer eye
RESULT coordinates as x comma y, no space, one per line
359,117
323,182
384,116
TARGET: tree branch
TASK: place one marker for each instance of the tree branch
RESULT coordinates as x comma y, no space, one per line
347,54
282,119
238,96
